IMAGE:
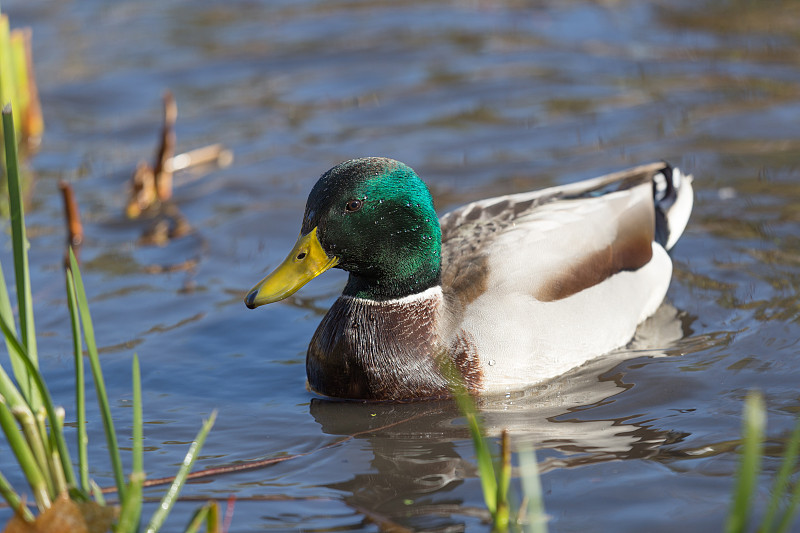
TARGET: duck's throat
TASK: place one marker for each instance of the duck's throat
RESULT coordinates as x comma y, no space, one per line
403,264
379,350
383,287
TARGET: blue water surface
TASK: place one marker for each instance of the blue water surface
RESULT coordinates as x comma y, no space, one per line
482,98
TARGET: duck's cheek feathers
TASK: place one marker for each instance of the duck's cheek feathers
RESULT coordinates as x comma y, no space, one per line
306,261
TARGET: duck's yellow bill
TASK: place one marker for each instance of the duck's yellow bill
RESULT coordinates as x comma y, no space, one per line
306,261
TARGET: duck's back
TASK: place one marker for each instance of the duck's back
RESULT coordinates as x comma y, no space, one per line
538,283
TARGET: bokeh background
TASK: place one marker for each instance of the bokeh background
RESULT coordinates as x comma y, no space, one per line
482,98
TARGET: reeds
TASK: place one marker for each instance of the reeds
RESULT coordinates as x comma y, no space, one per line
495,476
782,506
33,425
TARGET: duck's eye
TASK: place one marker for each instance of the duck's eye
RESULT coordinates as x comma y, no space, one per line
353,205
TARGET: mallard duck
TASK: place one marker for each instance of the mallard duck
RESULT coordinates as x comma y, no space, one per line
510,291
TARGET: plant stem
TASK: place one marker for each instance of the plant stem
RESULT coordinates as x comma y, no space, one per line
209,513
8,390
482,454
80,385
55,423
25,458
750,465
8,493
97,374
138,437
97,493
132,505
35,437
171,496
20,250
782,481
7,316
501,515
789,514
59,478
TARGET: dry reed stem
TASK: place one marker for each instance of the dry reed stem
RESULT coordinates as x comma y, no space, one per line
166,149
142,190
72,214
214,153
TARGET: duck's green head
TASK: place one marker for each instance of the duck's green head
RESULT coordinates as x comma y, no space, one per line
374,218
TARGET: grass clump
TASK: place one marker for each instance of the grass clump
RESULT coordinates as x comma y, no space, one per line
34,426
495,475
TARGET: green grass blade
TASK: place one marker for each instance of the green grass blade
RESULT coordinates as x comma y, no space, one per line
10,495
35,430
56,426
54,459
16,352
212,519
789,514
138,433
209,513
8,390
97,374
25,458
172,494
7,315
482,454
782,481
485,464
20,247
536,520
131,506
80,385
97,493
750,463
197,520
14,401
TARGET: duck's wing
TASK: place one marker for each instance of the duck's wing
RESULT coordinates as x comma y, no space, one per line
558,241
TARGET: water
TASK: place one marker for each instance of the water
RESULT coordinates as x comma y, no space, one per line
481,98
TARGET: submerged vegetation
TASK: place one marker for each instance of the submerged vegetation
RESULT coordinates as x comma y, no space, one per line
34,426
